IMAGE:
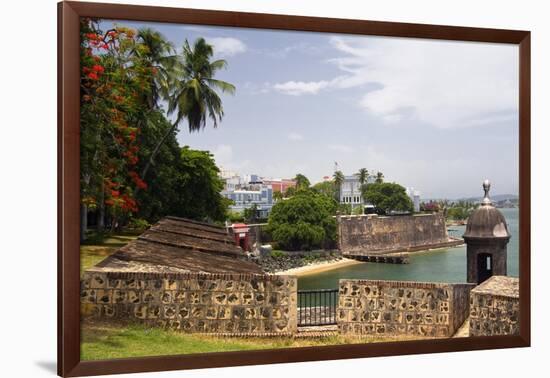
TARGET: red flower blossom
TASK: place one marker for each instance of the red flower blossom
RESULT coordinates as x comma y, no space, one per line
140,183
98,68
115,193
93,76
129,204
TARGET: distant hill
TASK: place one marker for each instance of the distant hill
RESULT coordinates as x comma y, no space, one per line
494,198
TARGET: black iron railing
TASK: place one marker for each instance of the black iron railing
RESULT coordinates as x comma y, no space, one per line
317,307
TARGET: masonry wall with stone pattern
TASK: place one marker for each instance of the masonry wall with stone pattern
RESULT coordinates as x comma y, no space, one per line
400,308
367,234
194,302
494,307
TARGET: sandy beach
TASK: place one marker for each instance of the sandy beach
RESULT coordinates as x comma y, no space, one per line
319,267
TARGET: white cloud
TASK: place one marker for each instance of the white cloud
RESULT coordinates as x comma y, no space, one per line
255,88
340,148
224,156
295,137
446,84
298,48
297,88
227,46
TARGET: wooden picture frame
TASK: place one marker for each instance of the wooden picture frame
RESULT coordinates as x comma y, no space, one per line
69,363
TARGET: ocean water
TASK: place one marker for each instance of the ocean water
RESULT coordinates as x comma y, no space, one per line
444,265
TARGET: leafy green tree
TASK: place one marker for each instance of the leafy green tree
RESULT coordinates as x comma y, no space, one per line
388,197
185,183
290,191
379,178
277,196
325,188
303,222
162,196
357,210
251,214
344,208
200,187
235,216
460,210
302,182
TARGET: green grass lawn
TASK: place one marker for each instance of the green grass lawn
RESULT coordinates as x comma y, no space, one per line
106,341
96,248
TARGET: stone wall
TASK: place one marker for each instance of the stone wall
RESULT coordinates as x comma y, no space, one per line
494,307
194,302
400,308
360,235
284,260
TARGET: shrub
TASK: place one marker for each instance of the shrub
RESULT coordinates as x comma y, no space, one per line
138,224
277,254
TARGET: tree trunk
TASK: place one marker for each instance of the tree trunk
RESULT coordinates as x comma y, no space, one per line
83,221
101,211
155,152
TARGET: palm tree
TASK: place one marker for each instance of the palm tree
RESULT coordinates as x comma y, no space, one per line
302,182
379,178
193,92
162,57
338,178
362,175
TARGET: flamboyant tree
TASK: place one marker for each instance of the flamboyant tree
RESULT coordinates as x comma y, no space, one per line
125,76
114,83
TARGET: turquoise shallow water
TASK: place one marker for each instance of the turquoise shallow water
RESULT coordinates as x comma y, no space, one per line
444,265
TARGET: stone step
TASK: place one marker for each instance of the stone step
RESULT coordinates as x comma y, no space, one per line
316,332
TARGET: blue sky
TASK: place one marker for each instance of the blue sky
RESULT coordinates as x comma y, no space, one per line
434,115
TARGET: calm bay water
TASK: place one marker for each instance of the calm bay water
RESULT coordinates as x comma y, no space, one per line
444,265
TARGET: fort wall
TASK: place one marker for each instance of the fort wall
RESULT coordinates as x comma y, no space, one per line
368,235
217,303
401,308
494,307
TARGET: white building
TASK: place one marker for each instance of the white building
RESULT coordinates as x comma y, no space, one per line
415,198
259,195
350,191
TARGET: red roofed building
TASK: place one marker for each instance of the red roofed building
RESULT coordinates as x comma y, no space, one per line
280,185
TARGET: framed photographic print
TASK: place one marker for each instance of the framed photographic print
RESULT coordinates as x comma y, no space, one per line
239,188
